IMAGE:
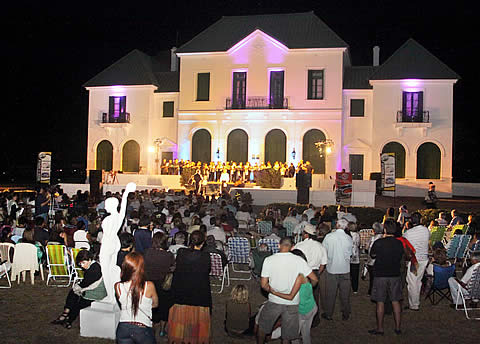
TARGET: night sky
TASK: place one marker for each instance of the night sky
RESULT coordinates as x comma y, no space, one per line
52,50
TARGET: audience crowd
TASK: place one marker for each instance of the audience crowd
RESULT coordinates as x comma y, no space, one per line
167,239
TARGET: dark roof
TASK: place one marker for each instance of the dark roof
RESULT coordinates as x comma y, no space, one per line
413,61
137,68
295,30
356,78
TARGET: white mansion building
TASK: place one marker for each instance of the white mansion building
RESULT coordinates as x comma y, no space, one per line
266,88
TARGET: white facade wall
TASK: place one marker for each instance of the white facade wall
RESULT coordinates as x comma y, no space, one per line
146,123
438,100
258,54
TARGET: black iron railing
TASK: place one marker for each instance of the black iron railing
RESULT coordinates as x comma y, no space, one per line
415,117
256,103
110,118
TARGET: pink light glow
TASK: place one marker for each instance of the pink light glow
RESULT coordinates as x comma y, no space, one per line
271,49
411,82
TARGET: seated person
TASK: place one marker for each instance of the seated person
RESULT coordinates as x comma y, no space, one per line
211,247
90,289
257,257
179,241
238,312
456,284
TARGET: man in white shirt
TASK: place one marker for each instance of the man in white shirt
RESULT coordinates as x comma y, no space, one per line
316,259
418,236
292,218
456,284
279,273
310,212
216,231
339,249
300,227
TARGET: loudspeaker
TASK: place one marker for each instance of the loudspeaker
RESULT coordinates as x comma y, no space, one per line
95,179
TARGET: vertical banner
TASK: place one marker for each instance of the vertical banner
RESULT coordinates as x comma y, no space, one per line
343,188
44,164
388,171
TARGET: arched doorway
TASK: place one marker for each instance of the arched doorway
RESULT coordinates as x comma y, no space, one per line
237,146
202,146
310,151
275,146
397,148
131,157
429,161
104,159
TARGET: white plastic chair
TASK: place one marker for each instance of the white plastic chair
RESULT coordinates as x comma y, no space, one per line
25,259
472,293
5,262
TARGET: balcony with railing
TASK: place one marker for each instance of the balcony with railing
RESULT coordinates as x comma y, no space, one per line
111,118
256,103
413,117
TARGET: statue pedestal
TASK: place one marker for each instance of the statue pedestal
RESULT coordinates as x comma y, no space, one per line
99,320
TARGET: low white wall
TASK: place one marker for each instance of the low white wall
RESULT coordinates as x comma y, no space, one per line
71,189
466,189
168,181
363,195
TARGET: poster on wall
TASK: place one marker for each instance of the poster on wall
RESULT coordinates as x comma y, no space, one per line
44,164
388,171
343,188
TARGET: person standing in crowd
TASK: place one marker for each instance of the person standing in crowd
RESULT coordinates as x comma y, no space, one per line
143,235
307,307
316,256
339,250
197,179
42,202
189,317
403,215
136,297
387,285
419,237
279,273
355,258
378,233
158,263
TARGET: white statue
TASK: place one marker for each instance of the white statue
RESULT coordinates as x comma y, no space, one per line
111,243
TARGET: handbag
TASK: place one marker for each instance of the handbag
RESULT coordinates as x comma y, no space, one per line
167,282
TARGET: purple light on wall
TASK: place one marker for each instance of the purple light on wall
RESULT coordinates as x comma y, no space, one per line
273,50
411,83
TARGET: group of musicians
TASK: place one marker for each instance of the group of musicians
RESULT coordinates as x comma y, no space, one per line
236,171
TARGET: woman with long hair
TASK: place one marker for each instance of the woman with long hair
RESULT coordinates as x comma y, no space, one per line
189,317
136,297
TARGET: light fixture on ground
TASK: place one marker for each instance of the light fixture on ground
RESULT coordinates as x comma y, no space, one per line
325,147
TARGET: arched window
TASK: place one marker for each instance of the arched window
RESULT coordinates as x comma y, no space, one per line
429,161
202,146
275,146
397,148
104,159
131,157
237,146
310,151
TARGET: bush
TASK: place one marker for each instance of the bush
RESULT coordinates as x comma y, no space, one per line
365,216
186,176
269,178
243,197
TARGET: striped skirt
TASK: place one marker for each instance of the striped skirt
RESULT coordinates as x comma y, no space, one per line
188,325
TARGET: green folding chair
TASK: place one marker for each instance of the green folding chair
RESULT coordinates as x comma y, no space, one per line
57,264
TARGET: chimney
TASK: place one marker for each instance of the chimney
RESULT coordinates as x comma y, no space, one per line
376,56
173,59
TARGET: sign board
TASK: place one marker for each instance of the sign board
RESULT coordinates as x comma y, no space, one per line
44,167
388,171
343,188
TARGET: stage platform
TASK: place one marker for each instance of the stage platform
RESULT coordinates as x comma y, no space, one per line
321,192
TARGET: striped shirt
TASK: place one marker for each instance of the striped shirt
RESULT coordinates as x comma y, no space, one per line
419,237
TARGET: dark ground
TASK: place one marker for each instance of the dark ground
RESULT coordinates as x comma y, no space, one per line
26,311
